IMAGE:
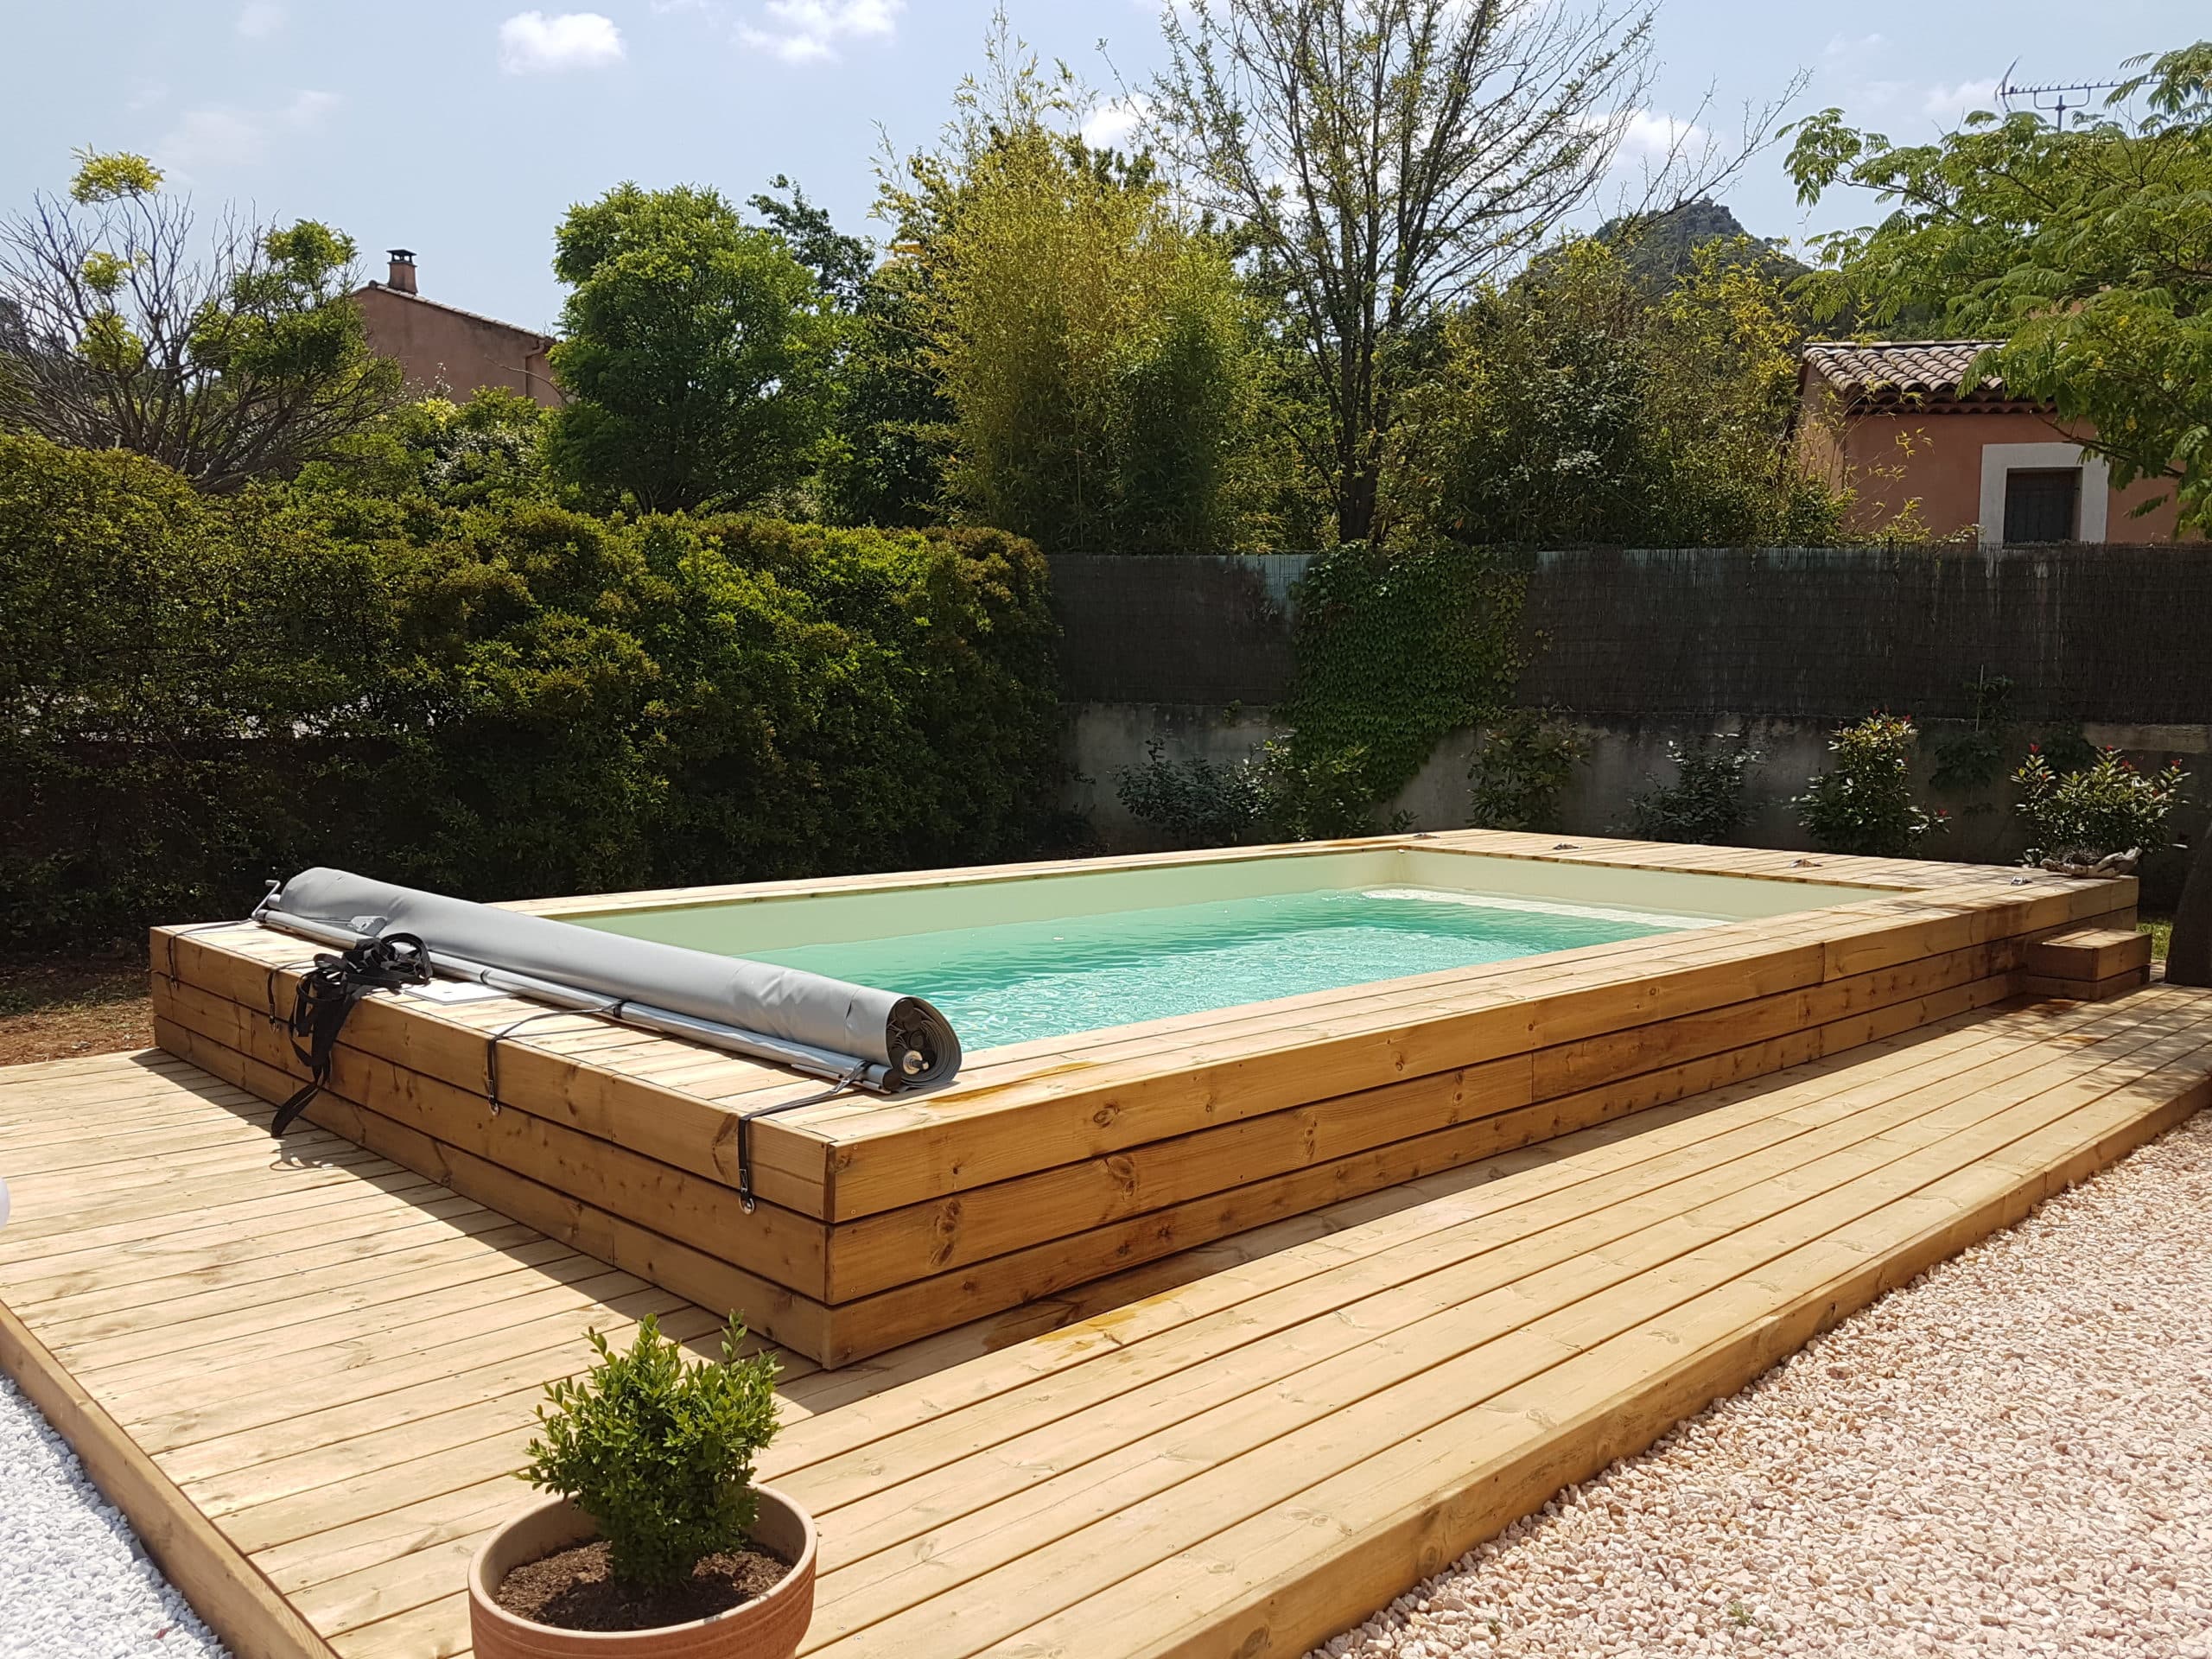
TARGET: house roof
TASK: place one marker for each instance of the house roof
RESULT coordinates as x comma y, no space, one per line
543,340
1919,371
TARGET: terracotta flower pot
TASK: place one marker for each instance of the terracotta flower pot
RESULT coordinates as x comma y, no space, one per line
768,1627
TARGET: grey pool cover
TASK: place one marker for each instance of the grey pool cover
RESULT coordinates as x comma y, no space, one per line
890,1041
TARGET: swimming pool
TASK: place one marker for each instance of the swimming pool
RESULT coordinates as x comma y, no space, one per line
1068,953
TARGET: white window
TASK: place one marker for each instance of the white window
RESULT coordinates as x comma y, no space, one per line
2036,500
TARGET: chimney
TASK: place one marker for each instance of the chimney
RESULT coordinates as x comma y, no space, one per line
402,279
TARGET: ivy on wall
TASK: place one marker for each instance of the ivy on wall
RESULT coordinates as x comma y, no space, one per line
1394,649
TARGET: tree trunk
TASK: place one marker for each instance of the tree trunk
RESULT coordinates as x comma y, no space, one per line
2189,953
1356,506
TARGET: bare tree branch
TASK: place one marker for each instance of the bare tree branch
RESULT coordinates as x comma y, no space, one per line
244,364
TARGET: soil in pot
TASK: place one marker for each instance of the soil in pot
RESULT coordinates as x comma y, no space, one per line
573,1590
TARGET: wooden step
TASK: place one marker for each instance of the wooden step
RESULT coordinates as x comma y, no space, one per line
2087,963
2090,954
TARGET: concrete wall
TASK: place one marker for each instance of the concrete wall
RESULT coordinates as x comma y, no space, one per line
1646,646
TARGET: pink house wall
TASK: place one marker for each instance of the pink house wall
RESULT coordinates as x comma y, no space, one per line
437,344
1932,457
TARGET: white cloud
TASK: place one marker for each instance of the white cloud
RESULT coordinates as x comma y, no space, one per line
260,20
307,109
1853,46
531,43
221,136
1651,138
1949,105
1112,121
809,31
204,138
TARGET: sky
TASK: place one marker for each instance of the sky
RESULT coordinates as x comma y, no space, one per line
464,129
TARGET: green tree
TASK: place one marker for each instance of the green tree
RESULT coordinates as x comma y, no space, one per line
241,365
1096,354
491,447
885,463
841,264
1576,405
1381,158
2082,247
693,355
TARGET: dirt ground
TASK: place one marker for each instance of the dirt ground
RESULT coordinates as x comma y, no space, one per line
58,1007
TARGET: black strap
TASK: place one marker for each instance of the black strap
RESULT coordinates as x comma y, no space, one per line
610,1010
325,996
744,1197
173,935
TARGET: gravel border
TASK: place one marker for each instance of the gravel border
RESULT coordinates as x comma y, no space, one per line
74,1583
2012,1454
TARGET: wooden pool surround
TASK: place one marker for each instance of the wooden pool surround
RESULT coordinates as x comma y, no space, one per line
1050,1164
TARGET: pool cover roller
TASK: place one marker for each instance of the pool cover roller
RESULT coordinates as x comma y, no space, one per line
823,1027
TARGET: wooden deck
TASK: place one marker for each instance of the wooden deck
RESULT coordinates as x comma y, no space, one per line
305,1373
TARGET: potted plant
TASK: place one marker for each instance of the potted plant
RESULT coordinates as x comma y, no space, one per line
658,1542
2097,821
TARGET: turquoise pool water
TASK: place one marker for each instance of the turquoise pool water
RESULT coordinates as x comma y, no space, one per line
1019,981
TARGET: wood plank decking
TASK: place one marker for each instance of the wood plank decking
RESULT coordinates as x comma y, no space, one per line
304,1373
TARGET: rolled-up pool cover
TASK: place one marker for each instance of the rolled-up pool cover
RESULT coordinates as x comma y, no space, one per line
901,1041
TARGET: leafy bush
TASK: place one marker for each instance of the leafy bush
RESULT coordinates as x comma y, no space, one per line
1521,766
496,699
1863,804
1194,803
175,693
1705,804
2103,808
658,1451
1974,758
1319,795
1278,794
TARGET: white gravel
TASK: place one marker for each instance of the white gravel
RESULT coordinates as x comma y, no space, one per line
73,1582
2011,1455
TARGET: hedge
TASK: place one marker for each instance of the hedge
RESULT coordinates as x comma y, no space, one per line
500,700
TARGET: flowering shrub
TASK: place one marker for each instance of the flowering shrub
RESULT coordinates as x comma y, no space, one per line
1863,804
2106,807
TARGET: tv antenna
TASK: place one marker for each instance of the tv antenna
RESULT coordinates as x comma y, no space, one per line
2055,101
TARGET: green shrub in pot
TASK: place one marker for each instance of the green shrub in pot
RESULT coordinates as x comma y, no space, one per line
659,1451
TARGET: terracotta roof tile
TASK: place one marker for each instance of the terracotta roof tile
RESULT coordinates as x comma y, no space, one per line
1903,371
